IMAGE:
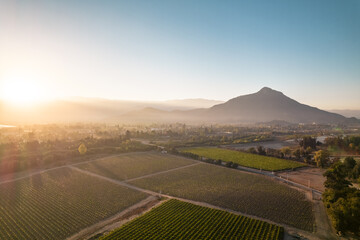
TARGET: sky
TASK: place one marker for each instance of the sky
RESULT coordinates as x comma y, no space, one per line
160,50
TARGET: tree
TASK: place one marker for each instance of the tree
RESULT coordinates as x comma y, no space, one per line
286,151
342,202
349,163
297,153
322,158
82,149
336,177
308,141
343,209
127,135
355,173
252,150
229,164
308,150
261,150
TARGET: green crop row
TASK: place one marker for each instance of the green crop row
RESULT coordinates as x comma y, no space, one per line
181,220
251,194
244,159
134,165
58,204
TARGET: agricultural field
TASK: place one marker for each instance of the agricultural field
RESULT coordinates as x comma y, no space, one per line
134,165
181,220
59,203
244,159
232,189
305,176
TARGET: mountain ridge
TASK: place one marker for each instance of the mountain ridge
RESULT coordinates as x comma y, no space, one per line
266,105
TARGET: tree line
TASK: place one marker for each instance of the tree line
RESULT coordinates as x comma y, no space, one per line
25,155
342,201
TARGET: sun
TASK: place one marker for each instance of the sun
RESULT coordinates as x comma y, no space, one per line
20,90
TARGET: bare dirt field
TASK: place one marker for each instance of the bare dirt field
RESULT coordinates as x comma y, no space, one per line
304,176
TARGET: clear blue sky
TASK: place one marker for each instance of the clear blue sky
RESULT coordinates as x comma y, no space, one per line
157,50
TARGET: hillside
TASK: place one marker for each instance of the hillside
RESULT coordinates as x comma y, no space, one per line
79,109
268,105
265,105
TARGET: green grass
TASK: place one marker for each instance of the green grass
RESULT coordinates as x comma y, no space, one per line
135,165
58,204
245,159
180,220
231,189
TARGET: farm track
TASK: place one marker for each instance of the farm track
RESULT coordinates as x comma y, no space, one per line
125,184
166,171
67,165
326,227
254,170
272,175
116,220
57,204
241,168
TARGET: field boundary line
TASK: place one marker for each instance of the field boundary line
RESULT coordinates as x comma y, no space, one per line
83,234
165,171
118,182
264,173
32,174
204,204
67,165
104,158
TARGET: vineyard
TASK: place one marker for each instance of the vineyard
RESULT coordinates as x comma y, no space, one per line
58,204
134,165
180,220
245,159
247,193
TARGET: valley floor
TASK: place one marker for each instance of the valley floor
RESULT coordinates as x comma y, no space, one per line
142,180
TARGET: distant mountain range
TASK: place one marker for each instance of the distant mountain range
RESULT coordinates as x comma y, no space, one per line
80,109
263,106
266,105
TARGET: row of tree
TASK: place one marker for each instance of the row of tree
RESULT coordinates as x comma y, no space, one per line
20,156
298,154
306,152
348,143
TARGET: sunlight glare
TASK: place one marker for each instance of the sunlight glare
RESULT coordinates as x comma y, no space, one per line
21,90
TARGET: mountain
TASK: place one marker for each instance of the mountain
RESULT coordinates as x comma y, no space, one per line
194,103
265,105
268,105
80,109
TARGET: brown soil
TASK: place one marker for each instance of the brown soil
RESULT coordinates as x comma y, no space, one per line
304,175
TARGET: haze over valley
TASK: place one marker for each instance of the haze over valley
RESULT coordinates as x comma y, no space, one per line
157,119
